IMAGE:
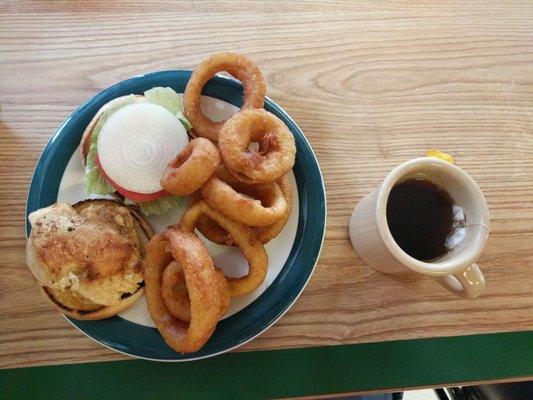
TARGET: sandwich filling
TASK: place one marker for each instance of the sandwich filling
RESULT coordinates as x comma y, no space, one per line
128,144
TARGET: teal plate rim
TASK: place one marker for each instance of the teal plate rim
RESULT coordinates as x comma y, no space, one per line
145,342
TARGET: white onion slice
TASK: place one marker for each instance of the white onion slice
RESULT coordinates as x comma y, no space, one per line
137,142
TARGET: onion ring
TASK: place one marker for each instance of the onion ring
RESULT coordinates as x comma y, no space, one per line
237,65
253,205
267,233
176,297
200,278
174,292
215,233
209,228
253,251
277,148
191,168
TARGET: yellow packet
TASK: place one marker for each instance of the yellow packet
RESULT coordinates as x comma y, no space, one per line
439,154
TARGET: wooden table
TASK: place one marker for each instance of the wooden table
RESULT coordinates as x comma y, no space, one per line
371,84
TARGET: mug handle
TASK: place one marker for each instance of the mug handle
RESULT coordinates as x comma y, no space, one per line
468,283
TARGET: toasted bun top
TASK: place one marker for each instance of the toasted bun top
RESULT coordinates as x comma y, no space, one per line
89,255
86,138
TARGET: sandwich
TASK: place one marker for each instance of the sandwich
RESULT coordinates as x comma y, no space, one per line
87,258
129,143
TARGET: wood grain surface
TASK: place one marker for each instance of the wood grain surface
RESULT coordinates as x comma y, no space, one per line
372,84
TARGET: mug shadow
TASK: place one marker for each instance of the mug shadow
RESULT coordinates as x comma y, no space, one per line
409,281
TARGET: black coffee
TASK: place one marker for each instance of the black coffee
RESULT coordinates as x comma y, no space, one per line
421,218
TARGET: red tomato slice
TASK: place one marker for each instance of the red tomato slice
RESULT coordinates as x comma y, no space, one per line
138,197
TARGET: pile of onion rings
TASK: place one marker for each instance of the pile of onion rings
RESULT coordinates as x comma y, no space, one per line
237,175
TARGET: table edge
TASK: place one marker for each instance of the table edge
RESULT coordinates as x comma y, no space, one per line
296,372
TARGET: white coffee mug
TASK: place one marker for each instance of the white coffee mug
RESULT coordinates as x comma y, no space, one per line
455,270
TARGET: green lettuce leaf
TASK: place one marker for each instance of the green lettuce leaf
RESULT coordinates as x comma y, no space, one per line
159,206
168,98
94,181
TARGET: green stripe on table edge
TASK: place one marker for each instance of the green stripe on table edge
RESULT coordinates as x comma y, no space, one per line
285,373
